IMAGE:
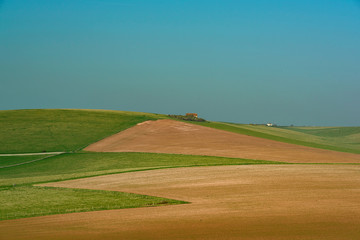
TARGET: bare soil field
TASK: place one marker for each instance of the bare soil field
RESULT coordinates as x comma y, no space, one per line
169,136
272,202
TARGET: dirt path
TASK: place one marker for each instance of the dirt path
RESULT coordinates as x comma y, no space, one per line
272,202
169,136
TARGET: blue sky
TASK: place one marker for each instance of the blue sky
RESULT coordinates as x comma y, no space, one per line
246,61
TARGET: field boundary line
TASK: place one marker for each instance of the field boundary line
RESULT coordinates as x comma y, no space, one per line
18,164
102,138
28,154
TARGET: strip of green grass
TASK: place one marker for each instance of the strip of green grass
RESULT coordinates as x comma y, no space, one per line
241,130
29,201
78,165
29,131
12,160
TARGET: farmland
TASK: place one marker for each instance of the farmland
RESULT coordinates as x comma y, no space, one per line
343,139
205,189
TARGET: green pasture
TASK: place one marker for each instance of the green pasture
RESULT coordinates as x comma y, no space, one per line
342,139
335,132
30,201
13,160
46,130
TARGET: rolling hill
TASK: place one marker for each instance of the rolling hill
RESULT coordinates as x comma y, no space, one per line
70,131
61,130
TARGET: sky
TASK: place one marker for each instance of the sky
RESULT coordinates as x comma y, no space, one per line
245,61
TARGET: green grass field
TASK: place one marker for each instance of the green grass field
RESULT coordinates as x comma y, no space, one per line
26,131
30,201
342,139
29,131
327,131
13,160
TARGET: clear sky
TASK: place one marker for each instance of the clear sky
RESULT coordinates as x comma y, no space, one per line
247,61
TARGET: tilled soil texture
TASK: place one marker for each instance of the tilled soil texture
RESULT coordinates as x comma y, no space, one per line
272,202
169,136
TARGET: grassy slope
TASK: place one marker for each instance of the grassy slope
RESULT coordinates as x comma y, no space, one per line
24,131
11,160
29,201
327,131
326,138
77,165
69,130
59,130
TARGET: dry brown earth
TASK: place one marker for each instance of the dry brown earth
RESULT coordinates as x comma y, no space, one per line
169,136
272,202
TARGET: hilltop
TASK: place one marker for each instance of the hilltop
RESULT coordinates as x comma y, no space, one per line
67,130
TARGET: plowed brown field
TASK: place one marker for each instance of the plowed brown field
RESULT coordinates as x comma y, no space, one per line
272,202
169,136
